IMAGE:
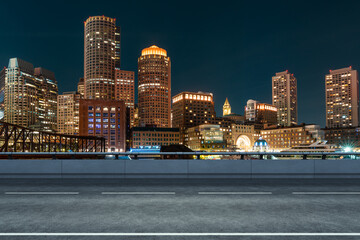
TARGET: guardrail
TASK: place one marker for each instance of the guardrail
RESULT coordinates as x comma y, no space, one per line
180,155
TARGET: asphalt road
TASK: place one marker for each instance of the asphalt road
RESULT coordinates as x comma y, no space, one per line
152,207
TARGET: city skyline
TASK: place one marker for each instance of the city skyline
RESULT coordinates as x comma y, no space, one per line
210,64
179,119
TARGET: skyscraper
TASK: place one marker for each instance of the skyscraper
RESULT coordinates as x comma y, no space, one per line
284,97
125,90
226,108
68,113
30,95
342,98
101,56
47,96
102,95
154,90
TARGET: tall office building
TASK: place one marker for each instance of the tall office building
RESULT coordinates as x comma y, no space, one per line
226,108
30,98
284,98
68,113
81,87
190,109
47,99
101,56
342,98
125,90
154,90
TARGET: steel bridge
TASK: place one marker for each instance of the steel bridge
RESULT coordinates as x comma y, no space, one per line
15,138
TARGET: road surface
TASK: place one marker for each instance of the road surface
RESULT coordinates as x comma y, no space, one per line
172,209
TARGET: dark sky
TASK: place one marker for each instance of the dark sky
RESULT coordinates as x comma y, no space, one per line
229,48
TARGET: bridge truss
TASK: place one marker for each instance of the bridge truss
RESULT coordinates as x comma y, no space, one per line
15,138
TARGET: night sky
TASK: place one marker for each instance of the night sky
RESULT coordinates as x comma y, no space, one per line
231,48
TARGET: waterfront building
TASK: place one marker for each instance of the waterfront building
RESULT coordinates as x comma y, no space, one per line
30,95
154,136
342,98
154,90
101,56
241,137
284,98
346,137
125,90
226,108
205,137
104,118
226,124
68,113
281,138
190,109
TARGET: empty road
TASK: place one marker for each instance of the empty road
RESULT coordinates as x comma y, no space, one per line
179,209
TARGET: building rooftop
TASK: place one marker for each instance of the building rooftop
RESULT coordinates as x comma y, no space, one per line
97,18
154,50
341,70
199,92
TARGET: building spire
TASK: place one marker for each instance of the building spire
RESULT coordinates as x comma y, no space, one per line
226,108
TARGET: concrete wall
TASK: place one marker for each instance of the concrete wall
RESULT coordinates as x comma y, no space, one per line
30,168
92,168
337,169
179,168
219,169
283,168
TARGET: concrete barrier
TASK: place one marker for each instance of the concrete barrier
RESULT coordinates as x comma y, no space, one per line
337,169
93,168
219,169
283,168
156,168
73,168
30,168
